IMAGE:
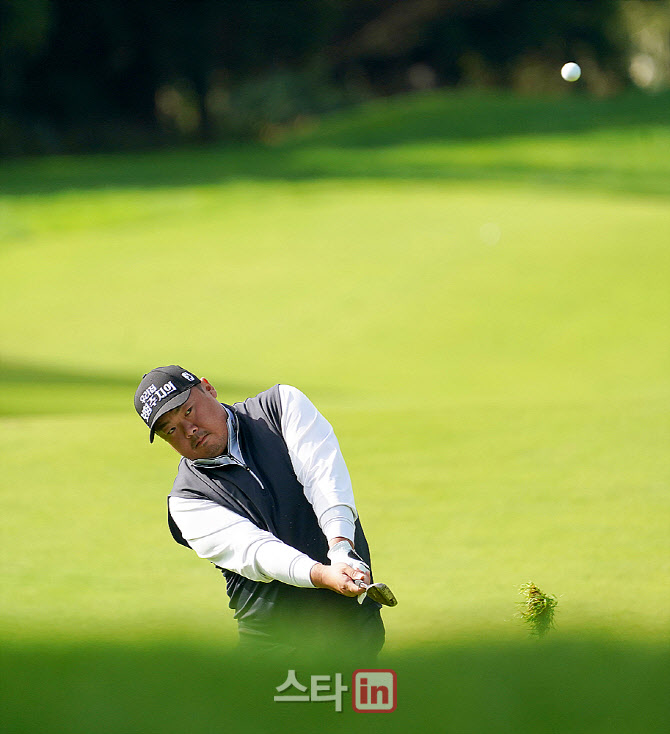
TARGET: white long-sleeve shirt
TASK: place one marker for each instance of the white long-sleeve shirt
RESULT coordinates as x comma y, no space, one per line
233,542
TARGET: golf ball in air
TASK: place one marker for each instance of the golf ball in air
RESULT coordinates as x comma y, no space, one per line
571,71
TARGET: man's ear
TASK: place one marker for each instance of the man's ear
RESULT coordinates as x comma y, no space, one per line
207,387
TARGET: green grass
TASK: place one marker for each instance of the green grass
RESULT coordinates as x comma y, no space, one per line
477,298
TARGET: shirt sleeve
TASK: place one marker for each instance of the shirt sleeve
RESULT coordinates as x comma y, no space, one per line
235,543
318,463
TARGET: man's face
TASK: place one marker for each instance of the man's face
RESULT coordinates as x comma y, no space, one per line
198,428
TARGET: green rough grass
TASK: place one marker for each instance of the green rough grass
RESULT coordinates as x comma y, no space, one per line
537,609
483,318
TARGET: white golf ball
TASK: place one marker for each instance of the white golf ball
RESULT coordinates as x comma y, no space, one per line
571,71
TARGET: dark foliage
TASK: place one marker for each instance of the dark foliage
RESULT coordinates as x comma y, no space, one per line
115,74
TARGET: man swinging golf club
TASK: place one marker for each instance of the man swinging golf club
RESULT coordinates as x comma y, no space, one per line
262,491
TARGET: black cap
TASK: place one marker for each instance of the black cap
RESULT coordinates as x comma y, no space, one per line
161,390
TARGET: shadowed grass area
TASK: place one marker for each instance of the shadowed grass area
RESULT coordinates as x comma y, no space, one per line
580,686
40,389
17,373
618,144
442,116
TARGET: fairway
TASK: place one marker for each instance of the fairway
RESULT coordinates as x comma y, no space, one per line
484,319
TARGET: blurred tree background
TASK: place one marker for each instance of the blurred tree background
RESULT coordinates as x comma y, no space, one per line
91,75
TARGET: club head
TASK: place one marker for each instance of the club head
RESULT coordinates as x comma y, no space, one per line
382,594
378,592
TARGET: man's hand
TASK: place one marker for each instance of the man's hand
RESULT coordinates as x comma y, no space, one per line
341,551
339,578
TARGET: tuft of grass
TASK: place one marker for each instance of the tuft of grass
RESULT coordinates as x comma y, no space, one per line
537,609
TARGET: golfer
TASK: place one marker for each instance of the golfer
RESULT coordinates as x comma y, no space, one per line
262,491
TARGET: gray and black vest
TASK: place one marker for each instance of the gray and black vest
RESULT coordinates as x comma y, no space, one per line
279,506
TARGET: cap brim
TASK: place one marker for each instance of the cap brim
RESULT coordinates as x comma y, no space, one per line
171,404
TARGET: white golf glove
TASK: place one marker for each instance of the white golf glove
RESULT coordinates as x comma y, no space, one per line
342,552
